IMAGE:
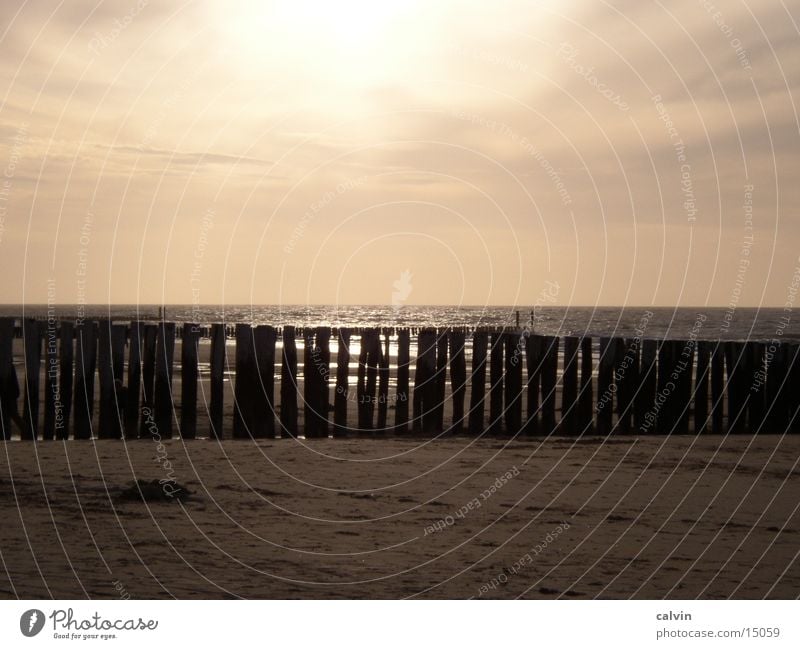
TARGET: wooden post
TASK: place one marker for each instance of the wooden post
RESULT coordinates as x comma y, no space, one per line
116,400
646,391
33,361
585,397
496,384
441,378
403,371
85,362
373,358
735,370
361,385
625,376
67,357
52,398
701,387
134,380
534,358
514,346
665,398
605,387
478,390
243,388
683,352
717,388
625,386
549,379
322,364
190,336
756,387
793,394
569,387
342,388
383,385
216,388
424,388
147,425
316,370
9,386
310,389
264,338
289,382
109,427
775,364
165,352
458,378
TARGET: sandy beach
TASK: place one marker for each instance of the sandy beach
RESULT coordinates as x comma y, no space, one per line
646,517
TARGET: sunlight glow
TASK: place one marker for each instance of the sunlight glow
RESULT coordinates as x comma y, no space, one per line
344,42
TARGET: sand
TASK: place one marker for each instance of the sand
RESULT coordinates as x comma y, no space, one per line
647,517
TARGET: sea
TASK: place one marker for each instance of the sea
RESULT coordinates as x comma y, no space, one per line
677,323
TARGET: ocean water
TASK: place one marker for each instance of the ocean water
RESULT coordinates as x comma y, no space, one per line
649,322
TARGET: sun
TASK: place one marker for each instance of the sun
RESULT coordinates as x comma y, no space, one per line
345,40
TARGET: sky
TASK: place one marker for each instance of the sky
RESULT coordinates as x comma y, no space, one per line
477,153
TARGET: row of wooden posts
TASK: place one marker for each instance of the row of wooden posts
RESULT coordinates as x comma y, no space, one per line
641,386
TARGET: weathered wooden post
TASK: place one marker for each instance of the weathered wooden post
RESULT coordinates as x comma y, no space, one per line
109,425
756,388
316,371
110,366
190,338
586,395
52,398
373,359
480,341
605,387
361,384
342,388
147,425
717,388
569,389
66,351
310,389
684,353
701,387
216,387
85,363
424,382
243,415
264,339
626,370
665,398
646,394
549,380
289,382
134,380
403,371
323,366
383,385
793,393
776,376
441,378
32,348
165,352
514,344
458,378
734,366
496,383
9,386
534,359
